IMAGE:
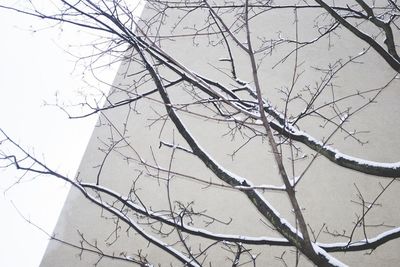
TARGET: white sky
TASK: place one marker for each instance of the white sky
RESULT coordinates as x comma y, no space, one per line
33,68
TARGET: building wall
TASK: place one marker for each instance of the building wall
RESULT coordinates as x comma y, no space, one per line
327,192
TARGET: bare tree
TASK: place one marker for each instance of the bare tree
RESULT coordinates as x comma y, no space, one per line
237,130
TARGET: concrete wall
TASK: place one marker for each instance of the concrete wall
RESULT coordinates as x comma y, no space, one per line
327,192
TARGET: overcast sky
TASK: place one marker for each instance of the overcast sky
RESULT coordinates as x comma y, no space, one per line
34,68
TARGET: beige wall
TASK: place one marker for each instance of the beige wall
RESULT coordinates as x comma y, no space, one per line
326,192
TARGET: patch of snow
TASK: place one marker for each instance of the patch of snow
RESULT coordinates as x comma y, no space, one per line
331,260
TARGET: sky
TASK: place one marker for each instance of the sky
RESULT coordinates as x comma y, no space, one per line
35,69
